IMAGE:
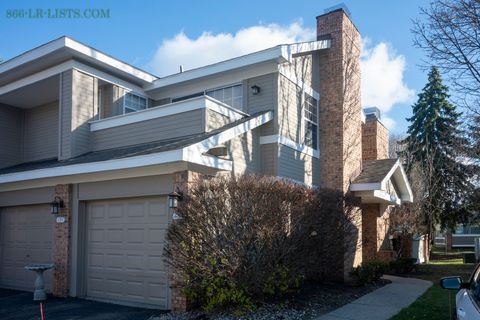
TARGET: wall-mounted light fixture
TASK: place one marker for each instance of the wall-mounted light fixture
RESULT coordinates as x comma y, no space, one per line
255,89
56,205
173,199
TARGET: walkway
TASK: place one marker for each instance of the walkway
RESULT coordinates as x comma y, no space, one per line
384,303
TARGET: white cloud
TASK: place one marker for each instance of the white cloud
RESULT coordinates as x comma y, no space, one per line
388,122
209,48
382,77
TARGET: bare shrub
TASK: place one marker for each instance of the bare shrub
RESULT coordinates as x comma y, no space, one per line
241,239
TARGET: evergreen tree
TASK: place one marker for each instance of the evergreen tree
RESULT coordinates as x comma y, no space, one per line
432,155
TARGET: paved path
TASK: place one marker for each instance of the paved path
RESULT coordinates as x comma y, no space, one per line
384,303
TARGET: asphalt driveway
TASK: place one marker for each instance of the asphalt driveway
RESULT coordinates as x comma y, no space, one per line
19,305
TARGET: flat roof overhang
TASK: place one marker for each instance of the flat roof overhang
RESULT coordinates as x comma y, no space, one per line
278,55
63,49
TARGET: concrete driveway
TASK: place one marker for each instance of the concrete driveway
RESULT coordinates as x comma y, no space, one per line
18,305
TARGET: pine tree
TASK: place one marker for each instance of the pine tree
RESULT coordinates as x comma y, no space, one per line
432,155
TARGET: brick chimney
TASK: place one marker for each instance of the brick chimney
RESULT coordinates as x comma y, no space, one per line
374,136
340,122
340,101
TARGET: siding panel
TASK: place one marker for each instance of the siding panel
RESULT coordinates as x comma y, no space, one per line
269,157
66,114
265,100
41,133
215,120
10,135
298,166
290,110
83,108
243,150
182,124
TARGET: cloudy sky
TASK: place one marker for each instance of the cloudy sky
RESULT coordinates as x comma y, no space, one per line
159,36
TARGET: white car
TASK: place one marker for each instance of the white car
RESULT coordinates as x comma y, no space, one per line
468,298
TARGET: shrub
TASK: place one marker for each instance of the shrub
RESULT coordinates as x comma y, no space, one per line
244,239
369,272
403,265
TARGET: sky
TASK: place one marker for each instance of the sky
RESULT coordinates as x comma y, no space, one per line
158,36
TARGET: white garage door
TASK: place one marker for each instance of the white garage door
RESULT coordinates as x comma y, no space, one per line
26,234
124,262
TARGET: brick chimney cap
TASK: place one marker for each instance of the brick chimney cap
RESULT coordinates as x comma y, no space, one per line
339,7
373,112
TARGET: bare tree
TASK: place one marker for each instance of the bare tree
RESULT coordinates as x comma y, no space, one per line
449,34
394,145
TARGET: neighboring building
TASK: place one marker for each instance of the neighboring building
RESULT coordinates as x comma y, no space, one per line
112,141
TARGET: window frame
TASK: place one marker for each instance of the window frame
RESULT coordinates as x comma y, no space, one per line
204,93
237,84
305,119
134,94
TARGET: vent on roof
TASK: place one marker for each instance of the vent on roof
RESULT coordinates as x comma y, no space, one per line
372,112
339,6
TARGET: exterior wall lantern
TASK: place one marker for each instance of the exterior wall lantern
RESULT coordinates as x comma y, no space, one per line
56,205
173,199
255,90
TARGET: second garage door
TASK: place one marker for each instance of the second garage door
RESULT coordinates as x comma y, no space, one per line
25,238
124,262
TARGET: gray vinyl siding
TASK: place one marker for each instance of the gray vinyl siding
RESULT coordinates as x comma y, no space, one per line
290,110
298,166
243,150
125,188
268,159
66,114
178,125
27,196
118,94
83,108
10,135
265,100
41,133
215,120
161,102
106,101
302,67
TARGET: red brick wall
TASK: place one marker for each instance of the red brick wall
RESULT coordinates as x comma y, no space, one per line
374,140
181,180
376,230
61,245
340,117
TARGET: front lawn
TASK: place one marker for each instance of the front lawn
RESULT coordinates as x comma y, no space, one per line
434,304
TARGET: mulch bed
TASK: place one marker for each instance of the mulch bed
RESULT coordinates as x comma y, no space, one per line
310,302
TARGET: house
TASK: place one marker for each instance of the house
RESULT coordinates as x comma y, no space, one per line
109,142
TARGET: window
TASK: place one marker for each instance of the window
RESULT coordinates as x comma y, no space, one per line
310,119
133,103
233,95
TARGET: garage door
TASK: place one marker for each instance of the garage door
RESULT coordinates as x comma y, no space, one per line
124,261
26,234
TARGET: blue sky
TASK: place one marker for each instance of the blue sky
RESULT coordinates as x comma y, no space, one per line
141,32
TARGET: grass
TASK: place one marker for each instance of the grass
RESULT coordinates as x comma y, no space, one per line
434,303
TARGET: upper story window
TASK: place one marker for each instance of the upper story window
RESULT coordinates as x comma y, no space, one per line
133,103
310,119
232,95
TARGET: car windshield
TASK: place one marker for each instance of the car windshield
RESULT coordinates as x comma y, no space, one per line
475,285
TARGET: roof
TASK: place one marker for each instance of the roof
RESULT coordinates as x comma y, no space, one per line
127,152
374,171
372,185
280,53
60,50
